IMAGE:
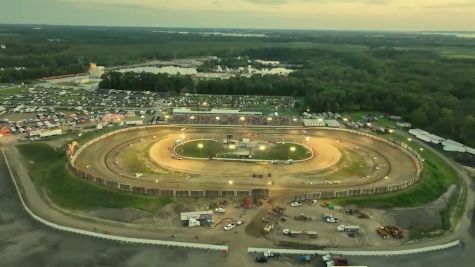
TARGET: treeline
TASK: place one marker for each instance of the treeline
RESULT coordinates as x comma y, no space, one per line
398,73
272,85
432,92
146,82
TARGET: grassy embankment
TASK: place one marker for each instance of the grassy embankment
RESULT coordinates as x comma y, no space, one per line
437,177
48,169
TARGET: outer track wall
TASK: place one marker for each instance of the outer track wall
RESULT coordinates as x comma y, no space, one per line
257,192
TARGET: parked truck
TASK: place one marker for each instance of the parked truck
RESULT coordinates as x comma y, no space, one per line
293,233
347,228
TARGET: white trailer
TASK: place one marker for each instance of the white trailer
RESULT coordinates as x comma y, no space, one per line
347,228
51,133
136,122
197,215
35,132
294,233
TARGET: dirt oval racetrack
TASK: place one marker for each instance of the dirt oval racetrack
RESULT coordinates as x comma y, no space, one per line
341,160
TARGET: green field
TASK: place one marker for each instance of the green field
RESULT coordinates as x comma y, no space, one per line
131,161
282,151
48,169
210,148
9,91
437,177
193,149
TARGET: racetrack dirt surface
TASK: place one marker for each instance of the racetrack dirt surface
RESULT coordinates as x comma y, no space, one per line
99,159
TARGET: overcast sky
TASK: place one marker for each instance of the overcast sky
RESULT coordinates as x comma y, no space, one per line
286,14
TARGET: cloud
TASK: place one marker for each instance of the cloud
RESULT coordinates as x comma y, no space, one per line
268,2
282,2
369,2
453,5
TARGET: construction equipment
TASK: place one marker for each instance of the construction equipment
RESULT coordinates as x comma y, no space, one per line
390,231
362,215
382,232
268,228
394,231
302,217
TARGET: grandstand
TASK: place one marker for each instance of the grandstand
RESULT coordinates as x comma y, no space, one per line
320,122
180,111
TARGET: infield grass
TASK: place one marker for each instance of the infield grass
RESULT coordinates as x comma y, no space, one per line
277,151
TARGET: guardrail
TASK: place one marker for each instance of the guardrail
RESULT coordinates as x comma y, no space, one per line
122,239
358,252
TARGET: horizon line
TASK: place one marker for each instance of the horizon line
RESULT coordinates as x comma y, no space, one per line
240,28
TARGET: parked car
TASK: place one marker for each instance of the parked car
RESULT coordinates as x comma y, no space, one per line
331,220
220,210
295,204
313,202
229,226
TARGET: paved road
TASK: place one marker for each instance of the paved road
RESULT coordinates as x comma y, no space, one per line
24,242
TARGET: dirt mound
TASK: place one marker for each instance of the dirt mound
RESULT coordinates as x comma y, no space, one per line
122,215
173,209
426,217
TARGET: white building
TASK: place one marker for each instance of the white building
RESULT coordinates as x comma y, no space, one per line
135,122
215,112
197,215
470,150
451,145
51,133
426,136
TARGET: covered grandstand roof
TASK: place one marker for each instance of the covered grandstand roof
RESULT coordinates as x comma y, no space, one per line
215,111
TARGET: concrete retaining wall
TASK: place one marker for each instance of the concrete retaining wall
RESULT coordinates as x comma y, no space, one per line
358,252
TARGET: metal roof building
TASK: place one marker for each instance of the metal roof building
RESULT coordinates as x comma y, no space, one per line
215,112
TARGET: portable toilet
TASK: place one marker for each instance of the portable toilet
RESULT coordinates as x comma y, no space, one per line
247,203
